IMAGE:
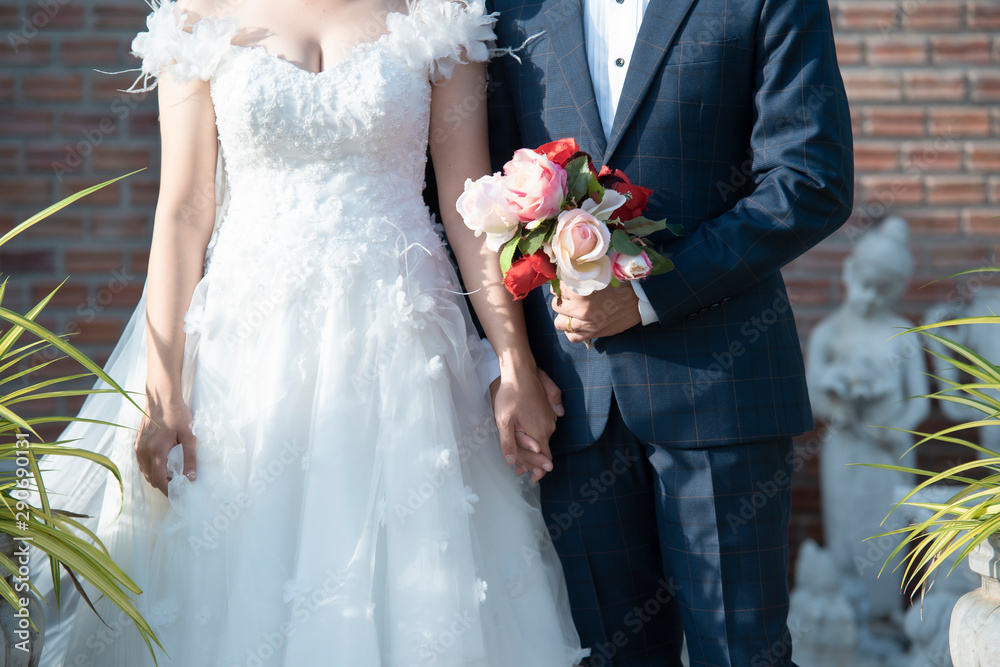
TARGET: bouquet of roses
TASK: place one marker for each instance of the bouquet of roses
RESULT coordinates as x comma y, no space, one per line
572,225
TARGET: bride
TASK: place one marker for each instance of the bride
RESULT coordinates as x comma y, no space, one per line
339,494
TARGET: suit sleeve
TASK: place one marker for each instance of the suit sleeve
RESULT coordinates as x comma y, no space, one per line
505,138
802,164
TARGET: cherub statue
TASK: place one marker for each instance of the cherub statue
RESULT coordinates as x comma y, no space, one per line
860,378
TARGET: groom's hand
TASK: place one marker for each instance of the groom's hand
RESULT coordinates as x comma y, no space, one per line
604,313
532,456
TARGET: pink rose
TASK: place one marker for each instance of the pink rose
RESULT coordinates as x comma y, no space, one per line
483,209
534,186
630,267
580,251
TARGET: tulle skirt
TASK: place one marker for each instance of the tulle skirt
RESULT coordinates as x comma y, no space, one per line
352,506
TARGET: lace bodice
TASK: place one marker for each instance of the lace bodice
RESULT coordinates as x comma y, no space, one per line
300,145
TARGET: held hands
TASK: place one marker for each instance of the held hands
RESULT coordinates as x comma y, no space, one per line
604,313
155,440
526,405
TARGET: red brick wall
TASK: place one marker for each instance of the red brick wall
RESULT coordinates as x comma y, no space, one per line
923,77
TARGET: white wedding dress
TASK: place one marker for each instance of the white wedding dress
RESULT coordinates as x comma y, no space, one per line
352,507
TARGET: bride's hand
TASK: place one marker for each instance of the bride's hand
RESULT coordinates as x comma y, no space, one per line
526,405
155,440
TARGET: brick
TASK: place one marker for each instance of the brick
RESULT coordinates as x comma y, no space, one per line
981,221
66,16
924,221
869,86
964,49
956,258
110,194
143,191
985,86
894,122
931,156
897,50
26,122
6,88
25,190
934,86
69,294
857,122
97,330
827,257
27,261
983,16
91,126
935,16
42,157
109,88
956,189
876,156
959,122
35,51
848,50
10,158
92,260
64,225
53,88
91,51
818,291
119,158
121,225
127,17
867,15
10,17
144,123
982,156
138,262
896,190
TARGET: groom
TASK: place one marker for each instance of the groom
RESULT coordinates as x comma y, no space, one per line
669,501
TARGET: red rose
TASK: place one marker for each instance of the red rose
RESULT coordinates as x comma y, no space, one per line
528,273
559,151
637,195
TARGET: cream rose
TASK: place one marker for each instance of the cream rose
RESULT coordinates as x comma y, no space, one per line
482,208
580,252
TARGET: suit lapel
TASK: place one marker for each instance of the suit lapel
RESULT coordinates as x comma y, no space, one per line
564,26
660,25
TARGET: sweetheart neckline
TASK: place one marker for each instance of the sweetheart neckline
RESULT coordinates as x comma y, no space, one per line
347,55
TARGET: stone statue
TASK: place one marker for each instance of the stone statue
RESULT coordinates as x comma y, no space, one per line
859,378
820,610
979,300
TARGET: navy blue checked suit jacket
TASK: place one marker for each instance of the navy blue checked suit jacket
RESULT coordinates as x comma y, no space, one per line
733,112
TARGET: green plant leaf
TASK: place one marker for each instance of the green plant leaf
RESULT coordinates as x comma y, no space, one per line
660,263
58,206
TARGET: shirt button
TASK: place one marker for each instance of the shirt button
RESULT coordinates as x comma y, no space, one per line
619,1
620,62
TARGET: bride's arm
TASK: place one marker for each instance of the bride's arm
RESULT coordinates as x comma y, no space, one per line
185,215
460,149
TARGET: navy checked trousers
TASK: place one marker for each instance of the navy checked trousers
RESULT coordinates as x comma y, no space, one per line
653,539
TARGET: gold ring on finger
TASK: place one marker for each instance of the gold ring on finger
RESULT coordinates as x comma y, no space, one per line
569,325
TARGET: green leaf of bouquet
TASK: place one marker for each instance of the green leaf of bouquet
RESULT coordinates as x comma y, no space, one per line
507,254
535,239
660,263
578,177
641,226
622,243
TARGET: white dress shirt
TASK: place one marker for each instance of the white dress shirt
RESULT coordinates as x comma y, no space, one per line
610,28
